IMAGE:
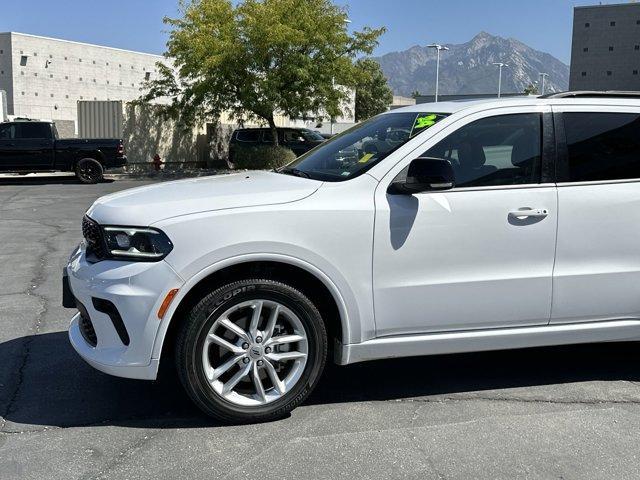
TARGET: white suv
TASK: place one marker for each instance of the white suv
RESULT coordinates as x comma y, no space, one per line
437,228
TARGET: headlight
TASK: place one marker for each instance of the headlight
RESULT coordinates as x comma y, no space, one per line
131,243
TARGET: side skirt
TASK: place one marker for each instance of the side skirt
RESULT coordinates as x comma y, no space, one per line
485,340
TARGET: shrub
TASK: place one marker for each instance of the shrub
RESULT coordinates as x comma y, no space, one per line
262,158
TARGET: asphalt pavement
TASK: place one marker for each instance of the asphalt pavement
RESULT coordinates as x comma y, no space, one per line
564,413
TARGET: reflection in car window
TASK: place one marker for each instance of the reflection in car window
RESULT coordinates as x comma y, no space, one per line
355,151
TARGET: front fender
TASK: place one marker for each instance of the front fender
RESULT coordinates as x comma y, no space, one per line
349,317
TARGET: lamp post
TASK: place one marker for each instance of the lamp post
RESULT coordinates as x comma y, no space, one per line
346,21
438,49
500,65
543,81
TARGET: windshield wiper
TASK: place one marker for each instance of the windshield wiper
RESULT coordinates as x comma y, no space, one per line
295,172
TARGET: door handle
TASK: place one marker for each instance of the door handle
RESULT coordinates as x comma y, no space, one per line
529,213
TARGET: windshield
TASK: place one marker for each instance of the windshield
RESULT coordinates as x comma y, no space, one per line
356,150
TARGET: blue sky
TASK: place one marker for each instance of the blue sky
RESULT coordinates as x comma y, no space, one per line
137,24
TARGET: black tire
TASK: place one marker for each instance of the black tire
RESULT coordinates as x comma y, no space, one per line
89,171
190,341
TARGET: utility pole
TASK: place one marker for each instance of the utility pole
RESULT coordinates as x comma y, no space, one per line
544,77
438,49
500,65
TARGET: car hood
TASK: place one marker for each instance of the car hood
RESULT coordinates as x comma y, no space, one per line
144,206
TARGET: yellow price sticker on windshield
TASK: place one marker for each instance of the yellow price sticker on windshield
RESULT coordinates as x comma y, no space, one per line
366,157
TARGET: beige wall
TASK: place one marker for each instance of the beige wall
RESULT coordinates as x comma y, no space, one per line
59,73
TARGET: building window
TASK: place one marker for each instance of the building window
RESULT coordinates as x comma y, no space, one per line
637,22
637,47
35,74
107,82
21,73
120,83
66,77
1,52
611,49
81,97
131,67
585,49
23,60
94,80
1,72
107,64
66,58
94,62
635,72
35,54
147,76
584,74
80,79
119,65
80,60
52,95
22,93
50,56
36,94
587,25
95,98
66,96
609,73
613,24
51,75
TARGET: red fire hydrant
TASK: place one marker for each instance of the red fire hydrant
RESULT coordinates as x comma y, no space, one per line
157,162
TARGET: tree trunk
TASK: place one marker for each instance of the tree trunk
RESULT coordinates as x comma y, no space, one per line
274,130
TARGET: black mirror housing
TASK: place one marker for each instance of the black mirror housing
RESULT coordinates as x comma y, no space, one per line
425,175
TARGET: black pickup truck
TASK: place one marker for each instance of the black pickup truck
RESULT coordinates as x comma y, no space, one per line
28,146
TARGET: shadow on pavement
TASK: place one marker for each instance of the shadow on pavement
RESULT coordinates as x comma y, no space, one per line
44,180
58,389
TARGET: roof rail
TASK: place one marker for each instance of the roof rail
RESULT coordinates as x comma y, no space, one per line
594,94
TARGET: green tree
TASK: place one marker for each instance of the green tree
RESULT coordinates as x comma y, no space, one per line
259,58
373,95
531,89
415,94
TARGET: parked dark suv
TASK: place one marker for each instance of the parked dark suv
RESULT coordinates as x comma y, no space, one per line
299,140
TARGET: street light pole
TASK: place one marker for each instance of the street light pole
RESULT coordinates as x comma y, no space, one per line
544,77
438,49
501,66
346,21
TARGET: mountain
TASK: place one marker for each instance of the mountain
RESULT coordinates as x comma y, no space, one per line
467,68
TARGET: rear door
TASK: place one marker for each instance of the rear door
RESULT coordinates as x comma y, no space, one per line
34,145
597,268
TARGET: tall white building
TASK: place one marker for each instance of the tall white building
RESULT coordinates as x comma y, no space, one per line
44,77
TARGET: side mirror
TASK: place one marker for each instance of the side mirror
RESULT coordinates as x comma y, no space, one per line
425,175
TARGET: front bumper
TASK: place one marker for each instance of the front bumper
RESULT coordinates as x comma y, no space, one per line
136,290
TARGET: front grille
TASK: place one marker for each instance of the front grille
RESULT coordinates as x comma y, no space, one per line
86,327
92,234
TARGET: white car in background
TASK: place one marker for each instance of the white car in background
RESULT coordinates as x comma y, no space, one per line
493,224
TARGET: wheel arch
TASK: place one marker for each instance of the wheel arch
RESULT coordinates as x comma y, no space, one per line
316,285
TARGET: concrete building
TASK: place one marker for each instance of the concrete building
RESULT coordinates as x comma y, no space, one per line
45,77
605,52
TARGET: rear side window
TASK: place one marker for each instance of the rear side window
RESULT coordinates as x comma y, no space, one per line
248,136
494,151
34,130
602,146
7,132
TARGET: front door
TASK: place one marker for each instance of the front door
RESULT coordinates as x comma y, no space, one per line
479,256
